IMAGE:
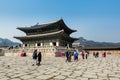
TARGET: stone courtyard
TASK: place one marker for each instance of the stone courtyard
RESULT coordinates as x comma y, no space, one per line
20,68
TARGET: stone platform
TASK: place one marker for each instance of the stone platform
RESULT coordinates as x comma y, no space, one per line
20,68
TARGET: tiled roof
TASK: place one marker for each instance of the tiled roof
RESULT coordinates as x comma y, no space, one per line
38,26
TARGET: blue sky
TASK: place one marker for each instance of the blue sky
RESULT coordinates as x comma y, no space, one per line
97,20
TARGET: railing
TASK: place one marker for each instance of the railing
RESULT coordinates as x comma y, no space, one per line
30,50
44,50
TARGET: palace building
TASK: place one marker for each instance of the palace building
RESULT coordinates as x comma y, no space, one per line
49,34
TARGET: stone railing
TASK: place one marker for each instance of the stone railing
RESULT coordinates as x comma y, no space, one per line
46,50
1,52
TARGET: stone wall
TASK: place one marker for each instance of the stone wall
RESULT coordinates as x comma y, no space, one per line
1,52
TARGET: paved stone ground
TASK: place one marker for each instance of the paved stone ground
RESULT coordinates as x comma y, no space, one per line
20,68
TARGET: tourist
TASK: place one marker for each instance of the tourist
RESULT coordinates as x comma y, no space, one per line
68,56
22,54
97,55
94,54
39,57
83,55
86,55
34,56
75,55
104,54
25,54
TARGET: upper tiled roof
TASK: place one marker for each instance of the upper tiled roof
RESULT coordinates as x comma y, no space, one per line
38,26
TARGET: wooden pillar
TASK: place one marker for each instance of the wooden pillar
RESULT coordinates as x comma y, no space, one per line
57,43
51,44
23,45
35,44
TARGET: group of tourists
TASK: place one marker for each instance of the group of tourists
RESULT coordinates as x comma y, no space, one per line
97,54
75,55
36,58
84,54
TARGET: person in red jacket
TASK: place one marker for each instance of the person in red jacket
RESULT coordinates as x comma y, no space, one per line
83,54
22,54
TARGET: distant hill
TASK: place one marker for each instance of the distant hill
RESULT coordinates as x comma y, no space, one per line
7,42
90,43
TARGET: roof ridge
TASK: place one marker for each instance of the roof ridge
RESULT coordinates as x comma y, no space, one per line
48,22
